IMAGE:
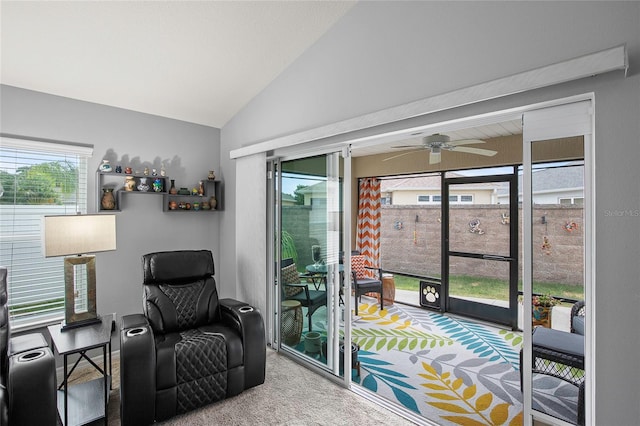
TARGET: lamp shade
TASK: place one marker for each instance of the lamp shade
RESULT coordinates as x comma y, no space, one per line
78,234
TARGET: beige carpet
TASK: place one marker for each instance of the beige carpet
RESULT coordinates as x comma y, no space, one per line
291,395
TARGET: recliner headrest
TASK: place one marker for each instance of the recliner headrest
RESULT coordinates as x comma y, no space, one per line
177,266
3,286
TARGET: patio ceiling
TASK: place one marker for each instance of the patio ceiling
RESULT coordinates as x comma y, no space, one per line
383,144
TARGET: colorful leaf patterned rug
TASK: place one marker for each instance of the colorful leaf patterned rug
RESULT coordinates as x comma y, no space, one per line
450,370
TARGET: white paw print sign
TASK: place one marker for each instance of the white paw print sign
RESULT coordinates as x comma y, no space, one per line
430,294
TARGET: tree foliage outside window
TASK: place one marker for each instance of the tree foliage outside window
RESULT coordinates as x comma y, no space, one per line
44,183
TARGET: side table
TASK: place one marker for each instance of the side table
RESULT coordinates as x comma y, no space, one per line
291,322
85,402
388,290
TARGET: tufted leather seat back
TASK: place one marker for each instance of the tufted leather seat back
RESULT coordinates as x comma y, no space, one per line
179,290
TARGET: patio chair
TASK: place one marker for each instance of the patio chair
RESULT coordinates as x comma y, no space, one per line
366,279
294,289
577,317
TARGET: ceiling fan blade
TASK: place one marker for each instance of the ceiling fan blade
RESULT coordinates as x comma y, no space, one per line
434,158
465,142
407,146
479,151
402,155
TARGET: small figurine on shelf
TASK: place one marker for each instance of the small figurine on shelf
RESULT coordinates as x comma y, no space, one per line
143,186
200,188
157,185
128,170
163,172
118,168
129,183
105,166
146,171
212,175
154,172
108,201
213,203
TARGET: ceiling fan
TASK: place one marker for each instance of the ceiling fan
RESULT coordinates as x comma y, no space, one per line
437,142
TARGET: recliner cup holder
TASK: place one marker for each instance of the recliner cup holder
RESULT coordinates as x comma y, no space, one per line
245,309
31,356
138,331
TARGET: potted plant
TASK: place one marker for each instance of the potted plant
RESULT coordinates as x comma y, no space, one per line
541,309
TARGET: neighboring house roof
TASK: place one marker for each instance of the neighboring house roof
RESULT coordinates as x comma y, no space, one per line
554,179
288,199
431,183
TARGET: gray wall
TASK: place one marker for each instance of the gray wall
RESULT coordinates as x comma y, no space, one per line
123,136
383,54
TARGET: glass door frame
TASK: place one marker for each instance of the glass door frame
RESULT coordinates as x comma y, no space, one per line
569,121
495,314
332,369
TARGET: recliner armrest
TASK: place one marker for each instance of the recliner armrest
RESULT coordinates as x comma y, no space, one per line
250,325
32,377
137,371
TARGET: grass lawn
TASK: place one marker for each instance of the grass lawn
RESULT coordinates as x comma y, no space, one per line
489,288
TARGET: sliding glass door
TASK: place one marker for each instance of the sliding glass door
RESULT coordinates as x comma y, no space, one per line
308,221
558,263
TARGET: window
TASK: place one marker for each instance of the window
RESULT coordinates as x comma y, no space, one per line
578,201
461,199
423,199
436,198
37,178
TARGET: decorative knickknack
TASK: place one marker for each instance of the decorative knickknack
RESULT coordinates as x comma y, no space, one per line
173,190
108,201
129,183
143,186
105,166
213,203
157,185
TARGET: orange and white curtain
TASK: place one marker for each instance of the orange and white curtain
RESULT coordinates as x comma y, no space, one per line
368,225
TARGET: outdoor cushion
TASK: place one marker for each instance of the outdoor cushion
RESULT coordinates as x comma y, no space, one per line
290,276
359,265
578,324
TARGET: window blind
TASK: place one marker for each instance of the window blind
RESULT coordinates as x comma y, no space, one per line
37,178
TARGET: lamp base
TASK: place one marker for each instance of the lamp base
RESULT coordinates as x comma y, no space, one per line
82,323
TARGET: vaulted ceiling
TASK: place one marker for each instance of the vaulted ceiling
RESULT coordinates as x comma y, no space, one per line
194,61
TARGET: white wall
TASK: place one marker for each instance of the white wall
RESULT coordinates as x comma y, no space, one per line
384,54
190,150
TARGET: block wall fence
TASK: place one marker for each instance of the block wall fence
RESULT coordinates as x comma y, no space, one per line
414,246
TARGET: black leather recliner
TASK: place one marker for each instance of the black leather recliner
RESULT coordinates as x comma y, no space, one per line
27,373
189,348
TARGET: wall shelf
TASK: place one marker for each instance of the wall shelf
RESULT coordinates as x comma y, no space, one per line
211,188
116,182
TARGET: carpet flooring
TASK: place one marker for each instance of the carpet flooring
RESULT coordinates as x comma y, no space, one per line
291,395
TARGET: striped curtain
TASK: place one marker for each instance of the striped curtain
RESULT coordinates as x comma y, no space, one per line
368,225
